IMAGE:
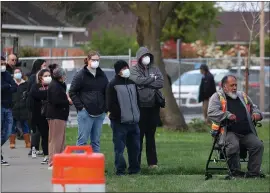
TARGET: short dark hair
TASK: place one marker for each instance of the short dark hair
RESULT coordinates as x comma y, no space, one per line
204,67
225,79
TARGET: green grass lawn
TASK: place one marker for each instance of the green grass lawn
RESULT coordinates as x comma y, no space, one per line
182,158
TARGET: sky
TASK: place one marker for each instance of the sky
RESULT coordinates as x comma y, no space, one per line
232,6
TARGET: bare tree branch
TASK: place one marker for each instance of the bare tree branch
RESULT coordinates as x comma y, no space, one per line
244,20
263,27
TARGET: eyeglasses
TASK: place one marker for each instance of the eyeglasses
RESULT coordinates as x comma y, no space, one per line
13,60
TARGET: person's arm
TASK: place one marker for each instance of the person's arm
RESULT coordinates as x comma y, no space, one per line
75,87
159,80
111,98
38,94
215,112
254,110
139,78
5,86
57,97
13,85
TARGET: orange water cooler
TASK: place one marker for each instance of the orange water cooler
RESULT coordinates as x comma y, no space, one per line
78,172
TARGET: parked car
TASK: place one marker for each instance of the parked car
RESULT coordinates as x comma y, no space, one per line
186,88
254,83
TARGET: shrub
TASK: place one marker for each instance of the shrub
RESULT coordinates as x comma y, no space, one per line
112,42
198,125
28,52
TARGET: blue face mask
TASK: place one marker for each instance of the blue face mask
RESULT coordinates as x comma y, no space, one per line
18,76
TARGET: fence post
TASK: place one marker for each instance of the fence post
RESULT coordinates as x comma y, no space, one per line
239,79
178,44
129,56
66,53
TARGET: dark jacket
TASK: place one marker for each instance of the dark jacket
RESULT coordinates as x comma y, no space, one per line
8,87
87,91
10,69
19,109
122,100
39,94
207,87
146,84
58,104
29,100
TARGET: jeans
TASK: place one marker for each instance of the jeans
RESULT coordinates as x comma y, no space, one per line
89,127
126,135
6,124
22,124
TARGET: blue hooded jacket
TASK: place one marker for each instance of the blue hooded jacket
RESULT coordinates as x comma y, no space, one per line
8,87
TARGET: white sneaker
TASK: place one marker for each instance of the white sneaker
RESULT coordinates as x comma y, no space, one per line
50,168
4,163
34,154
45,160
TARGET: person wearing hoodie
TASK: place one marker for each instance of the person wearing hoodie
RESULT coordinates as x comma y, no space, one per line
35,135
57,113
39,92
8,87
19,110
122,104
149,80
87,92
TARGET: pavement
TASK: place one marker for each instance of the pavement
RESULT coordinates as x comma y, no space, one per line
24,173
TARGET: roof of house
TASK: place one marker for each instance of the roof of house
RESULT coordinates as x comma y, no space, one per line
26,13
233,28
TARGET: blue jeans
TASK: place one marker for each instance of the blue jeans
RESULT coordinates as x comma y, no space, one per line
126,135
22,124
89,127
6,124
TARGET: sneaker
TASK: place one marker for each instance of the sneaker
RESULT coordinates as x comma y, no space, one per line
40,153
50,168
4,163
238,173
153,166
45,160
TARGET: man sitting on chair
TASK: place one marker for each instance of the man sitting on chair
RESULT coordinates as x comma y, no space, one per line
236,106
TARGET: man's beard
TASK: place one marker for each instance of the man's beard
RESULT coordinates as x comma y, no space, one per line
233,95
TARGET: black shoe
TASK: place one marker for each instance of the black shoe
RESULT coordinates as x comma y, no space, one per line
120,173
261,175
238,173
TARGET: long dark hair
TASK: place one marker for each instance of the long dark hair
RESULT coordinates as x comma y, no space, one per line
37,66
52,67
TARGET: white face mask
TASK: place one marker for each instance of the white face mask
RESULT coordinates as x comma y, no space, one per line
3,68
94,64
47,80
146,60
125,73
18,76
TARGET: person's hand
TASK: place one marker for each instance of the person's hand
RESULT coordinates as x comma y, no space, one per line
70,101
232,117
256,117
214,133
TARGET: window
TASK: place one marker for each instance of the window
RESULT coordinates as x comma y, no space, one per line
48,42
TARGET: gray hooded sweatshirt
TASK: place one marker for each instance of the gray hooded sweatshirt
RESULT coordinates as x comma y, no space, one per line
147,85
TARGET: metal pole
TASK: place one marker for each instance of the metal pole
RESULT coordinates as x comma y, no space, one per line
239,77
262,89
129,56
178,46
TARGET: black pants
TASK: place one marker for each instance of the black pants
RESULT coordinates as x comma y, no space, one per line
254,147
126,135
35,135
148,125
43,128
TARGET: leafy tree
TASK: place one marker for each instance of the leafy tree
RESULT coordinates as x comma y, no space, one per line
112,42
191,21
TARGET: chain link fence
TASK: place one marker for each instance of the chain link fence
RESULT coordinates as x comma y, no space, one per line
184,74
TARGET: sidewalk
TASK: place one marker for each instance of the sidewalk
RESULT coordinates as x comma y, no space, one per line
24,173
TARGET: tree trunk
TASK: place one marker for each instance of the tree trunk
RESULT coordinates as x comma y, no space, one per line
148,34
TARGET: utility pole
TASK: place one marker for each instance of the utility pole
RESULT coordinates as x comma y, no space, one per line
262,87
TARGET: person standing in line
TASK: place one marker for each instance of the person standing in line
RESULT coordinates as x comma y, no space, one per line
122,103
35,135
11,63
39,94
57,113
206,90
8,87
149,80
87,92
19,110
